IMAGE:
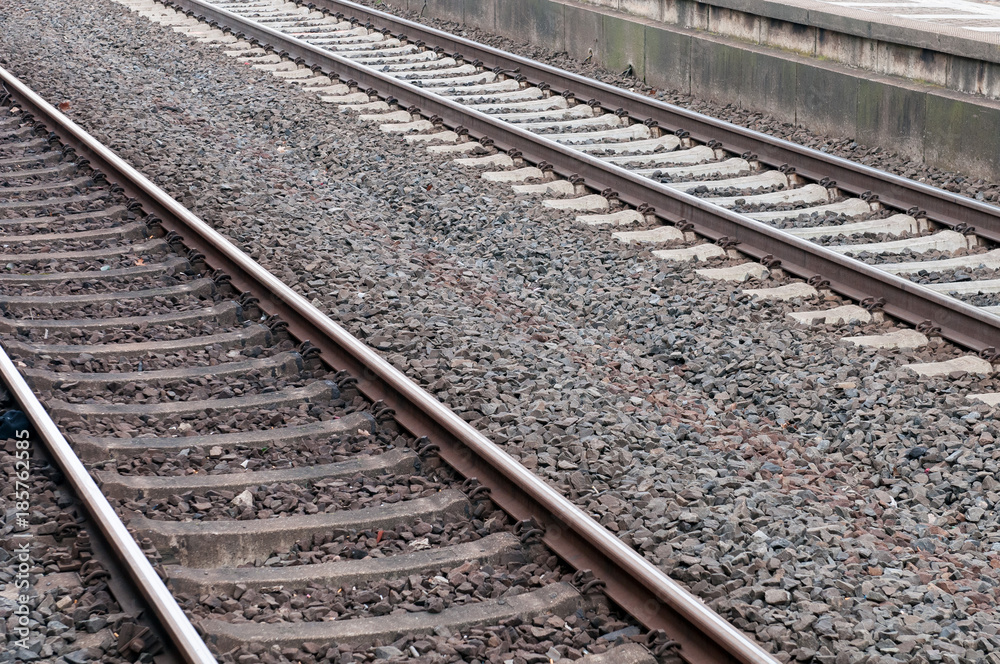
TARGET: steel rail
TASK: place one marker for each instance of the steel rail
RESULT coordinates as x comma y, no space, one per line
177,626
944,207
959,322
641,589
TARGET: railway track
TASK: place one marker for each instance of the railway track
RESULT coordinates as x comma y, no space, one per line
302,499
73,593
920,254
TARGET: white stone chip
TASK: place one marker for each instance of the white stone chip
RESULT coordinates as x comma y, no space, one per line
244,499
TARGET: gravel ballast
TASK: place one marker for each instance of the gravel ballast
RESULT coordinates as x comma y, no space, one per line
66,613
820,497
877,156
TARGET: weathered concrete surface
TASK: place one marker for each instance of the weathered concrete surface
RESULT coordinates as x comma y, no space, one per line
739,273
344,573
967,364
558,598
904,338
234,543
94,448
930,92
630,653
990,399
158,487
790,291
849,313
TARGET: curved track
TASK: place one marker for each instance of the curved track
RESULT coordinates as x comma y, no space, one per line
266,459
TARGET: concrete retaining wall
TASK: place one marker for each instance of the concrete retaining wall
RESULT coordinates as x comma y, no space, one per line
832,81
